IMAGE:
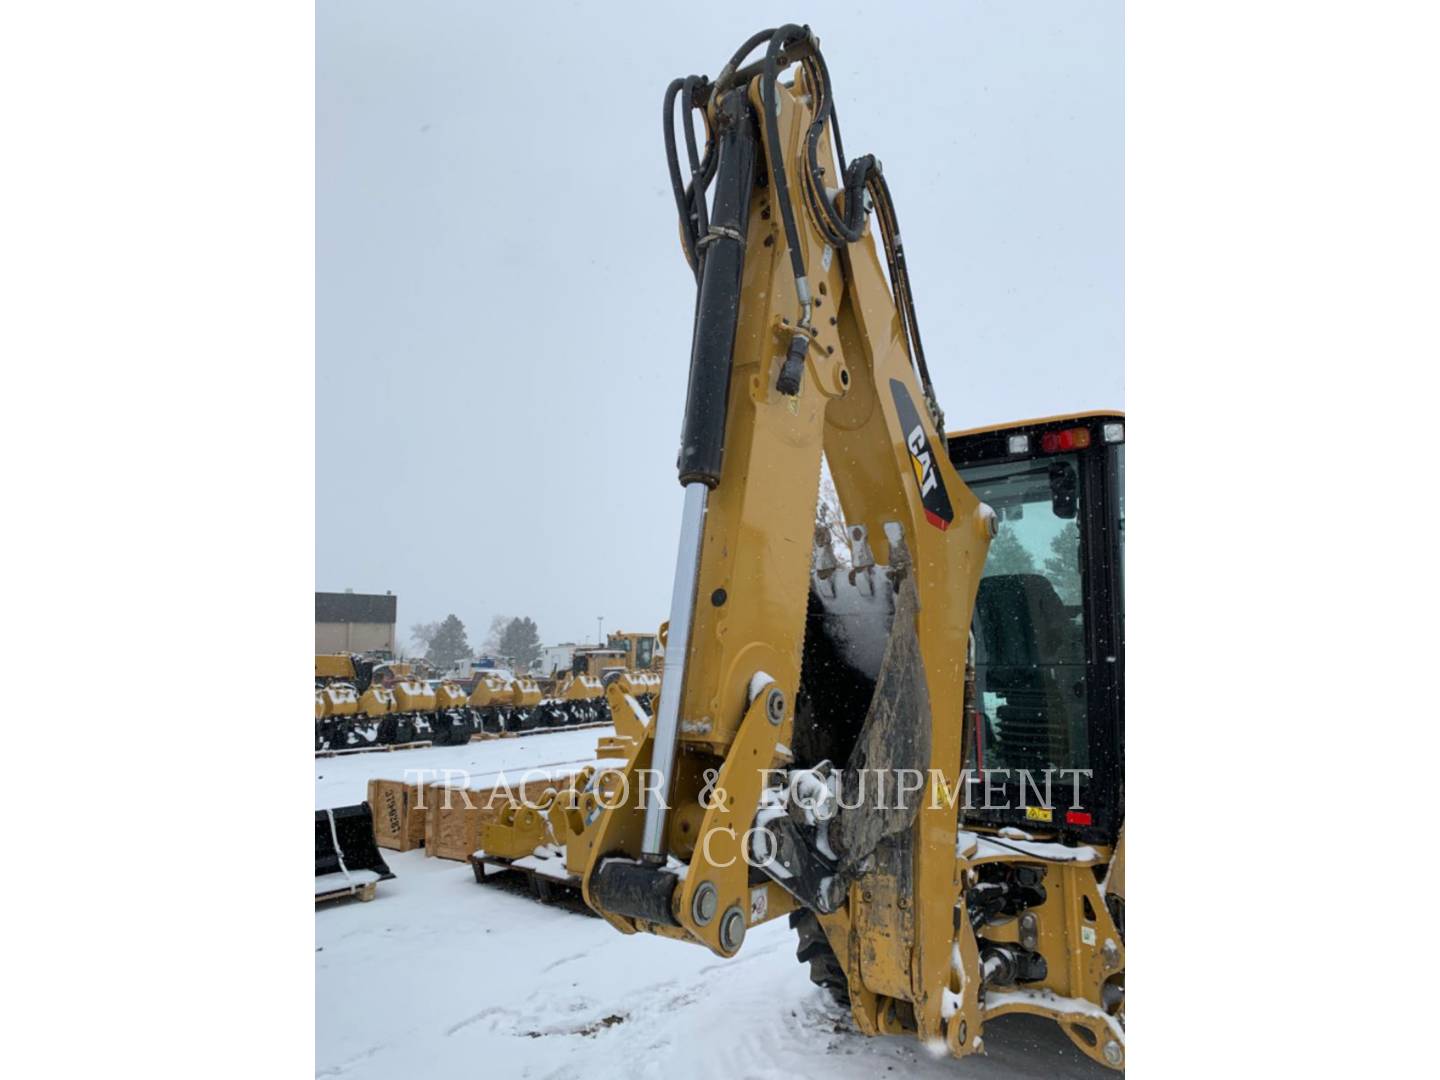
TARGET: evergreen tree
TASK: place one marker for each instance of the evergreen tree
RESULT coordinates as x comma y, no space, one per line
449,646
520,643
1008,555
1062,565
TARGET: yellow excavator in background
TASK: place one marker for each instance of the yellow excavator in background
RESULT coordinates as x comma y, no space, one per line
915,754
641,653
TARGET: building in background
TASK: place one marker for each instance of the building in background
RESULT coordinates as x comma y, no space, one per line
351,622
556,658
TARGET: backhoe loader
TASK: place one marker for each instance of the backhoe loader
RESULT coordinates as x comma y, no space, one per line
936,808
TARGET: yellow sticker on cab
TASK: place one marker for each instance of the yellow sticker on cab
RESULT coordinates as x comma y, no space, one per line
1039,813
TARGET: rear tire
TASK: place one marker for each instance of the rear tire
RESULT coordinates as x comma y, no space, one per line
814,949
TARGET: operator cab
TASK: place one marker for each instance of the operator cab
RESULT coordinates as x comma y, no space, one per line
1049,626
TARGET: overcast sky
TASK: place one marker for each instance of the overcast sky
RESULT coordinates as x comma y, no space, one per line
504,313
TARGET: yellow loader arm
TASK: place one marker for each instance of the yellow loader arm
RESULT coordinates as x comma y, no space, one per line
788,671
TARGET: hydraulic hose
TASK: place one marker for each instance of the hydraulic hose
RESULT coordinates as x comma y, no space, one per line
713,239
787,34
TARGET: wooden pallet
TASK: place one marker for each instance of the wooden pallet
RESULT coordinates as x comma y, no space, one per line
364,893
544,887
374,749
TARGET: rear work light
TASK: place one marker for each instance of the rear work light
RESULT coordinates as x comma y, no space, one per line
1019,444
1075,438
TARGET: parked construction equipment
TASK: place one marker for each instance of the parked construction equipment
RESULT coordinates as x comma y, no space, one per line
792,671
353,710
640,649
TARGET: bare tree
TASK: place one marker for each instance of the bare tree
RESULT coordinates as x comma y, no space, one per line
491,642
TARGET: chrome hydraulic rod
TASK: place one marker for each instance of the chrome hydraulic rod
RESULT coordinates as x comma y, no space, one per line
672,681
702,435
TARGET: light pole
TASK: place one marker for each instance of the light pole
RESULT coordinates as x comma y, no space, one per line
600,630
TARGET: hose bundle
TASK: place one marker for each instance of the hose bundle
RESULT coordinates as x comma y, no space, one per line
786,45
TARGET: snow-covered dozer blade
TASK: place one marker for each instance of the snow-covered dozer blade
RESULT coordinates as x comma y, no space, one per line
347,859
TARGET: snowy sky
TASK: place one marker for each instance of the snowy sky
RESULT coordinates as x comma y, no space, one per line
504,314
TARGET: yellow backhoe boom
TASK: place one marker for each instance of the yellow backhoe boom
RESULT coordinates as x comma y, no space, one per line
807,752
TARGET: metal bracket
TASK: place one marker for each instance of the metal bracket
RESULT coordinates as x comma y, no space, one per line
796,865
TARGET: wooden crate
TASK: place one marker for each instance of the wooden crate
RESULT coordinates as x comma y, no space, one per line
453,832
398,812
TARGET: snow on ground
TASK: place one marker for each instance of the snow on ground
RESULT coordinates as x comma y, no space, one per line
441,975
340,781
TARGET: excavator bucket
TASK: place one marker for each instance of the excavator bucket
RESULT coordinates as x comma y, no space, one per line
346,858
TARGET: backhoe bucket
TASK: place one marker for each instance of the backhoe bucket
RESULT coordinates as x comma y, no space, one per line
346,858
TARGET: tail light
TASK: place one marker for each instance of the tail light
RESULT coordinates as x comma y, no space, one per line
1070,439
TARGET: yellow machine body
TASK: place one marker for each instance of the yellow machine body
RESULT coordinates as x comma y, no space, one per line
524,693
516,830
641,653
413,696
902,932
581,688
330,666
629,723
448,695
339,699
598,663
637,683
490,690
377,702
554,817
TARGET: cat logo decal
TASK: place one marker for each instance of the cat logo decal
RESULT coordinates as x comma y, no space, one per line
933,497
